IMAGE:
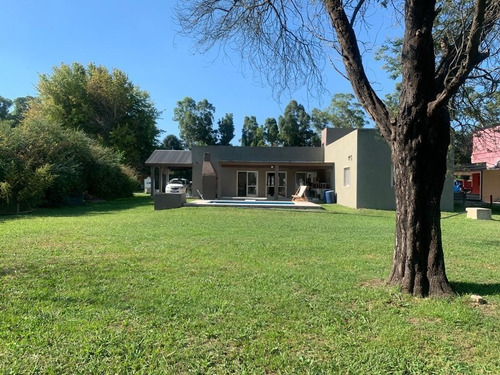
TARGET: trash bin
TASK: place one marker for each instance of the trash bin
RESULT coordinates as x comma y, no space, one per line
328,196
333,196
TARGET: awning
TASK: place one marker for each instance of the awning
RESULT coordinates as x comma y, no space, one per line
170,159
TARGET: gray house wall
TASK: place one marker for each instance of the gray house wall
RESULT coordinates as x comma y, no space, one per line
369,158
228,160
375,179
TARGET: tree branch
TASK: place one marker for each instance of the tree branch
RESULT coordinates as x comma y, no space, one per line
450,76
354,68
356,11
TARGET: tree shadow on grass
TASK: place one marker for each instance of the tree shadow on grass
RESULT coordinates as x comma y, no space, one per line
89,208
488,289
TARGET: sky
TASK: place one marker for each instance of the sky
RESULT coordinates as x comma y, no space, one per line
140,38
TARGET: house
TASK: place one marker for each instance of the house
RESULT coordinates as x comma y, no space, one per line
484,170
355,163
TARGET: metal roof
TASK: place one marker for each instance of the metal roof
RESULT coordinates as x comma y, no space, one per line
470,167
173,158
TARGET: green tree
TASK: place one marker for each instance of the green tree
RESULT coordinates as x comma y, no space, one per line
271,132
105,105
225,130
343,112
462,146
5,105
21,108
252,135
171,142
477,102
285,40
195,122
15,116
295,126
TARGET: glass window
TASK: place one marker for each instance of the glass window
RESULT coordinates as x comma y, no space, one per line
347,176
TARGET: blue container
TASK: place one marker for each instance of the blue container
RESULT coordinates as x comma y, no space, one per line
333,197
328,196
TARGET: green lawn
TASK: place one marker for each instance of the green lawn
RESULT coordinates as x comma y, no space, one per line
118,288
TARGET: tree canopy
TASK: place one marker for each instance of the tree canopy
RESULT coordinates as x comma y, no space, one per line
225,130
15,116
343,112
252,135
104,104
195,122
295,126
171,142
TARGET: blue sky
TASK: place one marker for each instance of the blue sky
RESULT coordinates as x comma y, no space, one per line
139,38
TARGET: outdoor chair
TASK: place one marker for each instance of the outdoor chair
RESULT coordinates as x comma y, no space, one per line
300,194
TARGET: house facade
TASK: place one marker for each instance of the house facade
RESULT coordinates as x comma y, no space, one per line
354,163
484,172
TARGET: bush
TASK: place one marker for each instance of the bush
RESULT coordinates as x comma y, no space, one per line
44,163
107,177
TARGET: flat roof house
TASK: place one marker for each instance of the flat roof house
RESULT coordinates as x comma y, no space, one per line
355,163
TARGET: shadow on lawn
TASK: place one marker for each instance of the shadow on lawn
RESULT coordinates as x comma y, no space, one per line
89,208
476,288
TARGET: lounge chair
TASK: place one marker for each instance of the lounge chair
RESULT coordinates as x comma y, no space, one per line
300,194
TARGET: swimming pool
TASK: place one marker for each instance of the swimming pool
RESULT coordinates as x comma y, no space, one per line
253,204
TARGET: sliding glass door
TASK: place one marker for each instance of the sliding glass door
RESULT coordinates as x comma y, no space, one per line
247,184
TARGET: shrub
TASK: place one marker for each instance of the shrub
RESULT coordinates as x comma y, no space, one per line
44,163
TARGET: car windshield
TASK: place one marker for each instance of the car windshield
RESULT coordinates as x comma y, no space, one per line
177,182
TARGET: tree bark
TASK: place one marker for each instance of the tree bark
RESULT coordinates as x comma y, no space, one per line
420,163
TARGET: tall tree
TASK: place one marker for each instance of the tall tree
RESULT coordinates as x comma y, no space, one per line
252,135
195,122
225,130
291,34
295,126
343,112
271,132
105,105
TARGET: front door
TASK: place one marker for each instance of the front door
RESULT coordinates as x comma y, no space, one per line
247,184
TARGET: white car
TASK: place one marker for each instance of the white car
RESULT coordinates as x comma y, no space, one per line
175,188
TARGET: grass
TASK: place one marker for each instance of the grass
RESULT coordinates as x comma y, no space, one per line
118,288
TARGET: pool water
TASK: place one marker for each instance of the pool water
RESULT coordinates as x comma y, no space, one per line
242,202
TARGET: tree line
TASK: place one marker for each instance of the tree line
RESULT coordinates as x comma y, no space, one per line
87,133
296,127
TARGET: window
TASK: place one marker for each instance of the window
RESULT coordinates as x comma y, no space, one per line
347,176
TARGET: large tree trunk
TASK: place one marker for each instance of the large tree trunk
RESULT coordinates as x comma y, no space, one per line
419,135
420,161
